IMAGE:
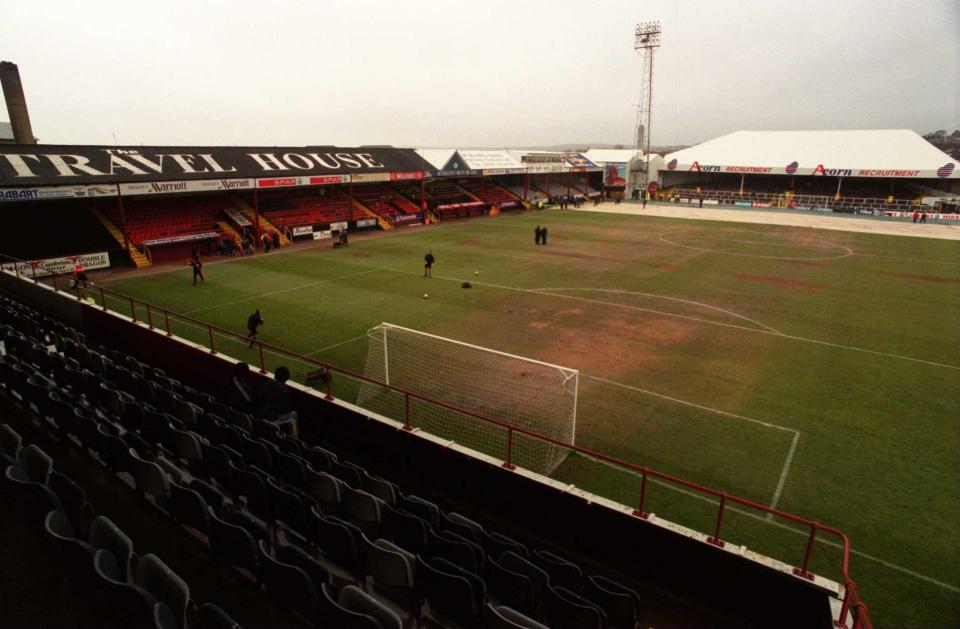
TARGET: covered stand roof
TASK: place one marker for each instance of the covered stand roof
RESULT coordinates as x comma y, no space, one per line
858,153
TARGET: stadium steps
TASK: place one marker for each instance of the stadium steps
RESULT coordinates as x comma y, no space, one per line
140,260
384,223
467,192
230,230
264,224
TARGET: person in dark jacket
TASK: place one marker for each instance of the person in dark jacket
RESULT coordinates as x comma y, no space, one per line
274,402
237,391
253,322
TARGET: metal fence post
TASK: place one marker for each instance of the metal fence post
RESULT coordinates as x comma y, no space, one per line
166,319
329,382
133,310
213,350
149,317
509,462
802,570
55,287
103,298
640,511
841,622
406,411
715,540
262,368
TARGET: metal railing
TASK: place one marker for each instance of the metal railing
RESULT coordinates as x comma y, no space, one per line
782,200
159,319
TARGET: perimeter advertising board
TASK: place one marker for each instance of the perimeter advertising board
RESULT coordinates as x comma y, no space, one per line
65,265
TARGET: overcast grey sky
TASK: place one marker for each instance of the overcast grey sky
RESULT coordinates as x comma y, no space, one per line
485,73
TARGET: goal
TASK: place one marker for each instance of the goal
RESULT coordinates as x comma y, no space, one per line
522,392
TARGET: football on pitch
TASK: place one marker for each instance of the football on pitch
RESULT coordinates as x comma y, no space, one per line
426,296
476,272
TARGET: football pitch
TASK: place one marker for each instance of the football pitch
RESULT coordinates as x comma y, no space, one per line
815,371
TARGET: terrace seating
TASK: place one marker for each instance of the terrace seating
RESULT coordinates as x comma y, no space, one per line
286,527
491,194
308,208
151,219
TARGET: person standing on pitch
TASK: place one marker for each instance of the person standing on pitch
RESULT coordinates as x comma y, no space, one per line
543,235
253,322
197,266
537,235
428,261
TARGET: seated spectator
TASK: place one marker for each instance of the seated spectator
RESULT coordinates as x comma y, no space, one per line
237,391
274,402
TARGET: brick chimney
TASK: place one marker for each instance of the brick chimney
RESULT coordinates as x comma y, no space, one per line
16,103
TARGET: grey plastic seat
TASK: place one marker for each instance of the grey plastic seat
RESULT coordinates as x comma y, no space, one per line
321,459
76,555
185,411
326,489
163,617
511,588
393,572
539,579
289,586
405,529
450,597
563,609
189,508
36,464
187,447
621,604
10,442
104,534
562,572
503,617
154,576
296,556
496,543
73,497
233,544
333,614
339,547
150,478
210,616
462,525
131,605
364,510
291,469
379,487
38,500
422,508
356,600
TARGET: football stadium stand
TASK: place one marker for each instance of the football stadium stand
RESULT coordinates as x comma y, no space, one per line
152,221
247,525
307,207
490,193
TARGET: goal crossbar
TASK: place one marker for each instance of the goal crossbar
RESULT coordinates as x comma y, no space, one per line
560,368
456,384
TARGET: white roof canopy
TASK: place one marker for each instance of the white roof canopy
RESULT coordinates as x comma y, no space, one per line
861,153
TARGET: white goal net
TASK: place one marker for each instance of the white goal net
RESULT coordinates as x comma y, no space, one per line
522,392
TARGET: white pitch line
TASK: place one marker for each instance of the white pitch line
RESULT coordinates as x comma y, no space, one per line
283,290
329,347
541,291
760,518
655,296
693,404
849,252
783,474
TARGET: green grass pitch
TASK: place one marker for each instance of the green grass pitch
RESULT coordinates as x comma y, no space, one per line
815,370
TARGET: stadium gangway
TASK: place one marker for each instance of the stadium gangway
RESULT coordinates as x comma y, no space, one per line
852,605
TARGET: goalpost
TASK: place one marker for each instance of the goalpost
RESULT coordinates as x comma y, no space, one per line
522,392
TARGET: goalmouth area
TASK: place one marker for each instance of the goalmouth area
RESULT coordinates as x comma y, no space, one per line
813,370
